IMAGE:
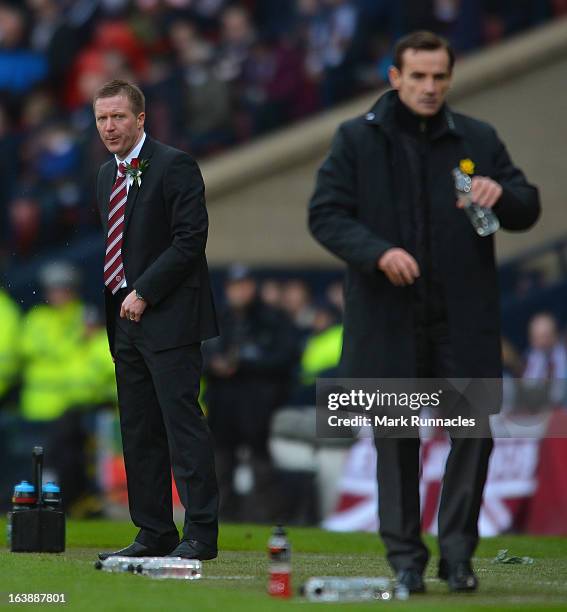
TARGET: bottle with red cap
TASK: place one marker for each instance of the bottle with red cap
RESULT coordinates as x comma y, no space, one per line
279,555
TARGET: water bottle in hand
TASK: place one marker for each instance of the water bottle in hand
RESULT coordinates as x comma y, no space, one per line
483,219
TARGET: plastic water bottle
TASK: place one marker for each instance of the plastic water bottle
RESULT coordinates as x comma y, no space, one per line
24,497
483,219
171,567
116,565
279,555
334,588
51,496
140,563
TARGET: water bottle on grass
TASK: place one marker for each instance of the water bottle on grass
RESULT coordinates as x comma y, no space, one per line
337,589
279,555
116,565
170,567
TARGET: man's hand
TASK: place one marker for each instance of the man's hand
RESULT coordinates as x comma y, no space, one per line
132,308
399,266
485,192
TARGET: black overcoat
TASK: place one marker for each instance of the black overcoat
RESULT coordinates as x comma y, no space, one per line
361,207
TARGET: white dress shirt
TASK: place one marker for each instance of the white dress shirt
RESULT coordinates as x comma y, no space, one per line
135,152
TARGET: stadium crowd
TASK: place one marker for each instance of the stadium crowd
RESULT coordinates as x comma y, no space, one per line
216,73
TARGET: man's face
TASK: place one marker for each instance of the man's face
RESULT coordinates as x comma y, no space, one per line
423,81
119,128
59,296
543,333
240,293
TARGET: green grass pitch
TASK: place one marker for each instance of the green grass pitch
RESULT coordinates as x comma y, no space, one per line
236,581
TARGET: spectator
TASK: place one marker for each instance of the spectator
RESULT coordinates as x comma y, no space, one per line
329,37
322,352
113,52
336,296
297,302
39,108
51,336
92,369
24,221
57,163
237,38
206,103
53,37
20,67
271,293
248,373
546,362
275,88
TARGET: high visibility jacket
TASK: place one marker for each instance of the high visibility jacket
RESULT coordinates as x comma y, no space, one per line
322,352
10,321
50,343
92,372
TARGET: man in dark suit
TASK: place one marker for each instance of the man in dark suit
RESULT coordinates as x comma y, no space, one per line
159,308
421,286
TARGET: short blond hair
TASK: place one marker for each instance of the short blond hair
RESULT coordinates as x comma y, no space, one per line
118,87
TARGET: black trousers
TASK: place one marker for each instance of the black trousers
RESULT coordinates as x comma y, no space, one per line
163,429
463,482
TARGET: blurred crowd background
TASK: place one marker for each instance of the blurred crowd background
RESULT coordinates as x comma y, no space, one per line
215,74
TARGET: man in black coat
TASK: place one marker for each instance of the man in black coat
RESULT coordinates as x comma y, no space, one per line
421,286
159,308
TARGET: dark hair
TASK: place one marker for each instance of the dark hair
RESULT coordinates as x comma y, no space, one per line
422,40
118,87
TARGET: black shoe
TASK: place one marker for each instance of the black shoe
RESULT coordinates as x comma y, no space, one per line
461,578
443,569
136,550
192,549
412,580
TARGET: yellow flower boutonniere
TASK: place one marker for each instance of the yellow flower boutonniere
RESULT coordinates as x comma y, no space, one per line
466,166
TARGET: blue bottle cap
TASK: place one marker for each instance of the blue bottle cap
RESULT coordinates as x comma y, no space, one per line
24,487
51,487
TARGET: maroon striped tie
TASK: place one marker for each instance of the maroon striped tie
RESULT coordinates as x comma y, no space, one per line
113,267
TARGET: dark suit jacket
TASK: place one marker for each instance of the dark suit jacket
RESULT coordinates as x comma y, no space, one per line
163,248
362,206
